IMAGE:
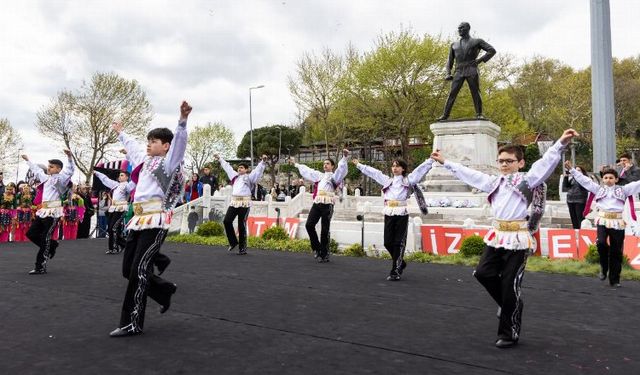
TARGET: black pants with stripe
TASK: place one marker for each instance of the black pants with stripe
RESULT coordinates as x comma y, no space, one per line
137,266
323,213
117,242
501,271
611,253
395,239
40,233
242,213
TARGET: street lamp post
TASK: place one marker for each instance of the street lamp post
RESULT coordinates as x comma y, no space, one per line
251,123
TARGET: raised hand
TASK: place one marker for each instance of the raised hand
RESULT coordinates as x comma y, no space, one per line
185,110
264,158
346,153
123,151
355,161
292,160
216,156
437,156
567,164
117,127
67,152
25,157
567,135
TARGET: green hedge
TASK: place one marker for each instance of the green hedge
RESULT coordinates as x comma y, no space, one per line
472,245
210,229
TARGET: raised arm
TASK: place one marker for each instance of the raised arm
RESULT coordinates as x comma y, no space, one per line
111,184
583,180
308,173
471,177
375,174
542,169
68,170
175,155
256,174
36,170
227,168
135,151
631,188
343,167
417,174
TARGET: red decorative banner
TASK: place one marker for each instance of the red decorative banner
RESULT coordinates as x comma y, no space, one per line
258,224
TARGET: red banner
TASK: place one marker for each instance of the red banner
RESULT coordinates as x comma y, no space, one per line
258,224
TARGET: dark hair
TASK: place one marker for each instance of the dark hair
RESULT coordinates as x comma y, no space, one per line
243,164
57,162
610,171
512,149
125,172
625,155
401,163
333,163
163,134
584,171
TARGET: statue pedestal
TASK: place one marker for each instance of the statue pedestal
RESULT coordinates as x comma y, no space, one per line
473,143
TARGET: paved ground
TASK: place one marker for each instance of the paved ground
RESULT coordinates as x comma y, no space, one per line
281,313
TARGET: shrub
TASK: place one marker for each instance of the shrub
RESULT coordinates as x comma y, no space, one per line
592,256
333,246
473,245
355,250
275,233
210,229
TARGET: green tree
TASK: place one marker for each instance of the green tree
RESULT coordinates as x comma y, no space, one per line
274,141
81,121
205,141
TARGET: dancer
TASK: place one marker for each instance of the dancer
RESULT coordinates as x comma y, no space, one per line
53,186
159,186
324,196
120,193
396,190
610,199
510,241
243,184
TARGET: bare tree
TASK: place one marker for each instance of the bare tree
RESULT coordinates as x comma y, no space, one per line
315,87
81,121
206,141
11,143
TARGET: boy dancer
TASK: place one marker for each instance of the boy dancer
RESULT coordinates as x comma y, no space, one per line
324,193
509,242
243,185
159,186
53,186
397,190
120,191
610,198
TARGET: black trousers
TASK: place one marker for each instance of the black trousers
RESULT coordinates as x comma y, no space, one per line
137,266
500,271
611,254
40,233
323,213
117,242
395,240
242,213
456,85
575,211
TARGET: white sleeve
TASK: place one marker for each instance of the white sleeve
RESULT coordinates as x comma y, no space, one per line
341,171
542,168
632,188
585,181
228,169
375,174
38,172
175,155
417,174
135,151
308,173
471,177
67,172
111,184
255,174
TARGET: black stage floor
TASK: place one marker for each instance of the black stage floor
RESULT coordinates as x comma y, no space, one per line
282,313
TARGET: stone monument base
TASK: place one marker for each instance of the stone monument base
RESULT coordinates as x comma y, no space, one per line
472,143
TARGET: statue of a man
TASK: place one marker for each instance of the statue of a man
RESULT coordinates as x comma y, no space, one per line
465,53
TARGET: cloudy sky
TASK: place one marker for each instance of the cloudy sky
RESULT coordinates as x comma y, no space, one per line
211,52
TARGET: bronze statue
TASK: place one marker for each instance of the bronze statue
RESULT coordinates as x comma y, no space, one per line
465,52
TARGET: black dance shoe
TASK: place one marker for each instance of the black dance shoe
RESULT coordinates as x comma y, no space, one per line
38,271
164,308
124,331
506,343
